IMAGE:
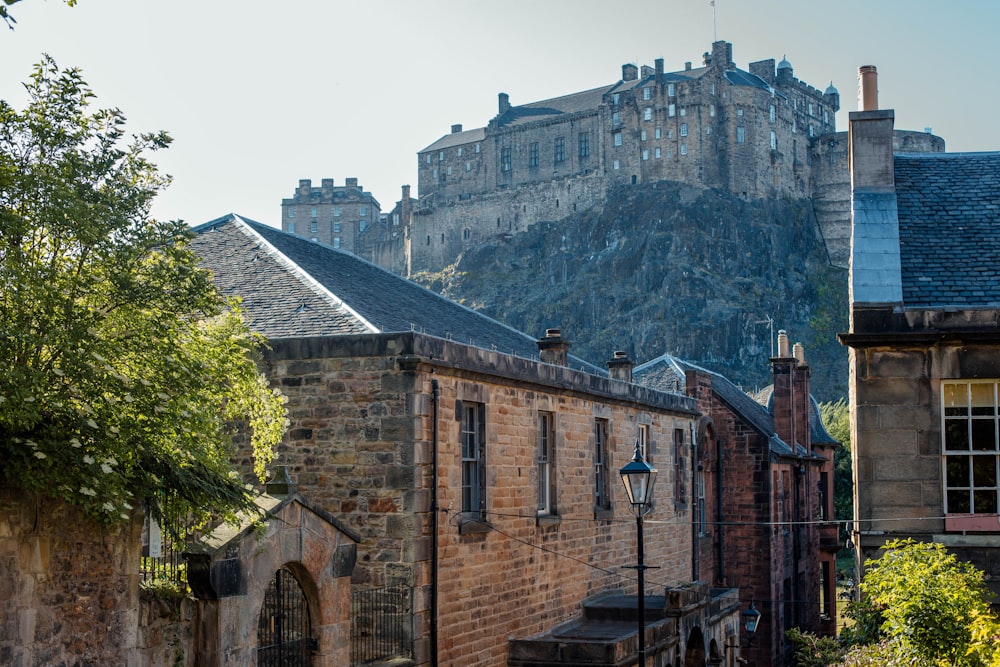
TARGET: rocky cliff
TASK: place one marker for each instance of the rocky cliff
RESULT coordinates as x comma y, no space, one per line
666,268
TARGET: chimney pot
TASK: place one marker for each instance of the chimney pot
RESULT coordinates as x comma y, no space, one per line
553,348
799,353
868,88
783,350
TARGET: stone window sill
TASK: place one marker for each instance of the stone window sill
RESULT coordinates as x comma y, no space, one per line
546,520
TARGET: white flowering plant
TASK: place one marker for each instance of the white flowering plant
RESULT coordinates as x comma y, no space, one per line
126,377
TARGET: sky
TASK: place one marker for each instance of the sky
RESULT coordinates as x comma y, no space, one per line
258,95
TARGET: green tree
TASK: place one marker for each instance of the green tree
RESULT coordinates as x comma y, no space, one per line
836,417
5,13
126,375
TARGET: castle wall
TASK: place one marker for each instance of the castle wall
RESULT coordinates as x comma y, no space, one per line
333,215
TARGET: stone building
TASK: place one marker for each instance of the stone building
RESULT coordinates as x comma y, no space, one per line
338,216
478,466
924,344
763,487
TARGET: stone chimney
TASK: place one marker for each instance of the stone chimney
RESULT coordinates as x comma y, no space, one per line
629,72
620,367
658,63
875,280
783,394
281,483
722,55
553,348
504,99
404,206
456,128
800,394
351,184
647,71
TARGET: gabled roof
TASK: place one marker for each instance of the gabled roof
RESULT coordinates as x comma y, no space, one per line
457,139
292,287
587,100
949,229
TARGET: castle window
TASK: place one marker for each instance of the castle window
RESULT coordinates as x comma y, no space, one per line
428,158
645,154
616,165
560,149
504,159
616,118
291,227
684,111
739,112
811,129
291,212
708,131
684,129
647,113
771,113
618,138
336,211
459,151
362,211
442,237
313,226
711,89
616,98
671,90
468,166
658,133
711,111
774,141
656,153
441,156
647,93
684,149
477,148
584,144
428,239
741,135
449,170
336,228
642,135
672,110
336,241
466,233
826,117
313,212
810,108
533,154
670,134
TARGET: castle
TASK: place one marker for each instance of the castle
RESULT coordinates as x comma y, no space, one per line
755,134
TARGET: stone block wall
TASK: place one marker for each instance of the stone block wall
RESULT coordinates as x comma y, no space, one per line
68,586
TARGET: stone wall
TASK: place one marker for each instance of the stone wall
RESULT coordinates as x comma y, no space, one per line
68,586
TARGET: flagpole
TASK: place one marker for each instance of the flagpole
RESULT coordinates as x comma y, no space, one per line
715,30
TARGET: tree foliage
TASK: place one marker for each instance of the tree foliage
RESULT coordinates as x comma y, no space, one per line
919,606
125,373
836,417
5,12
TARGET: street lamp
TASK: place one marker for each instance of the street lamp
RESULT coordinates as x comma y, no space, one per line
639,477
751,617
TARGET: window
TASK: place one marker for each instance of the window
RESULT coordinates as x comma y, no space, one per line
291,213
711,89
602,496
441,156
616,119
313,212
671,89
428,158
448,171
647,113
770,114
291,227
680,492
969,442
560,149
811,130
336,228
336,211
711,111
616,98
616,165
314,226
658,133
647,93
684,111
533,154
584,144
810,108
336,241
459,151
645,154
774,141
657,153
684,129
671,110
670,134
468,166
473,417
739,112
642,135
684,149
545,461
362,211
618,138
504,159
477,148
642,438
741,135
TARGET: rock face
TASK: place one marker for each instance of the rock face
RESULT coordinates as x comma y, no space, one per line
666,268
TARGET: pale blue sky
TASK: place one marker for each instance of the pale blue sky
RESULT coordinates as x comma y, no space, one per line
260,94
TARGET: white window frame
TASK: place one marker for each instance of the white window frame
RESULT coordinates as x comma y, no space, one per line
971,406
473,457
545,464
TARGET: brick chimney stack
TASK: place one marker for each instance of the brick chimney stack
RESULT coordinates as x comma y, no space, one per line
553,348
800,393
620,367
404,206
504,103
783,401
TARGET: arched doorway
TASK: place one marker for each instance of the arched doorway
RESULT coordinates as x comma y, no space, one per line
694,649
284,630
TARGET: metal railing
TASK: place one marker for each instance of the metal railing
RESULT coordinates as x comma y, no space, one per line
161,551
381,624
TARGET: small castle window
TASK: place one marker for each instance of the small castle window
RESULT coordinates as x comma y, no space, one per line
459,151
647,93
656,153
645,154
684,111
291,212
642,135
291,227
441,156
771,115
313,226
671,89
336,211
313,212
616,164
684,149
672,110
362,211
616,98
647,113
741,135
684,129
618,138
336,242
336,228
774,141
658,133
711,111
468,166
477,148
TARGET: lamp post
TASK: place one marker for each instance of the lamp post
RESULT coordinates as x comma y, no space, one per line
639,477
751,617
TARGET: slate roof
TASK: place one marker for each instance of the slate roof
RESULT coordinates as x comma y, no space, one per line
949,229
457,139
667,373
292,287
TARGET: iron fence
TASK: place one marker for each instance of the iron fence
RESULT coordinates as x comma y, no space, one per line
381,624
162,546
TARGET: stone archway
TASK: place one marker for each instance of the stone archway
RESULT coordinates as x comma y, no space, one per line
694,649
284,628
